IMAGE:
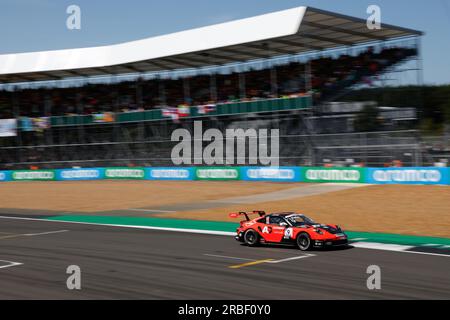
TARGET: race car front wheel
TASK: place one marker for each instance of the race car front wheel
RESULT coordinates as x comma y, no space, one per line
303,241
251,238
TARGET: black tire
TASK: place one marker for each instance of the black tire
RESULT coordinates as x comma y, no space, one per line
251,238
304,242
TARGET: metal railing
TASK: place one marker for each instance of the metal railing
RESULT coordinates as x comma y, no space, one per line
144,144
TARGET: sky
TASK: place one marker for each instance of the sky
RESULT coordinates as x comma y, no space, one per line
36,25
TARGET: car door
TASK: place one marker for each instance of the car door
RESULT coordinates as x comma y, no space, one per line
272,230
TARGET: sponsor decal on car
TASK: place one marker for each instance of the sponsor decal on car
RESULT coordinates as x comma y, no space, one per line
288,233
267,229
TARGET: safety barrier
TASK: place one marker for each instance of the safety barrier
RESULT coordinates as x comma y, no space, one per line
413,175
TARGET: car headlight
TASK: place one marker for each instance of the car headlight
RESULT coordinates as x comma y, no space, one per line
318,231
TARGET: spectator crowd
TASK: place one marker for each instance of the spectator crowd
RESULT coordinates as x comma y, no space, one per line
327,76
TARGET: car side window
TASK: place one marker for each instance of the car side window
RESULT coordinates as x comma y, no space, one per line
275,220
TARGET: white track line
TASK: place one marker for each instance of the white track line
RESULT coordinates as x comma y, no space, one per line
149,210
227,257
381,246
428,253
44,233
393,247
219,233
10,264
307,255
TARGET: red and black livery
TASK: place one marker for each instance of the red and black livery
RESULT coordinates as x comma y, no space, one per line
287,228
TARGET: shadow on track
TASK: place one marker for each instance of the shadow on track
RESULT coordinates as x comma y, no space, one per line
293,247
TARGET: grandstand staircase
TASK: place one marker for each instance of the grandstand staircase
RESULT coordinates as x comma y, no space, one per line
346,90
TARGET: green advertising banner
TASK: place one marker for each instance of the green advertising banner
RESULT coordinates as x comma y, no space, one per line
33,175
125,173
217,173
317,174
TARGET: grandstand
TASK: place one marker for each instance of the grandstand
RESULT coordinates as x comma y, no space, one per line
117,105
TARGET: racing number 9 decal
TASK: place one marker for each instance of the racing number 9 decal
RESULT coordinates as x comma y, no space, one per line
288,233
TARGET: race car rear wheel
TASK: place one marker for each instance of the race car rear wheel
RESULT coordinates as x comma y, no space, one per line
251,238
303,241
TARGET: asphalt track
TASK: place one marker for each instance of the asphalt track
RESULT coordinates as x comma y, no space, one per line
124,263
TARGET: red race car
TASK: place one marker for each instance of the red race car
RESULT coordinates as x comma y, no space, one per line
288,228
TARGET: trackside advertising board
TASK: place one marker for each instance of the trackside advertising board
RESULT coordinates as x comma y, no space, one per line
5,176
415,175
170,173
33,175
412,175
281,174
125,173
349,175
217,173
80,174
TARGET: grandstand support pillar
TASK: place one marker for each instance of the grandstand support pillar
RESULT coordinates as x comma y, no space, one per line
306,120
140,105
365,142
48,106
242,87
162,92
312,150
308,85
274,81
186,90
80,111
418,157
419,61
213,86
419,68
16,111
116,126
139,100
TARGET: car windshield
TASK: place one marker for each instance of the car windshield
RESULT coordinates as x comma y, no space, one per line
299,219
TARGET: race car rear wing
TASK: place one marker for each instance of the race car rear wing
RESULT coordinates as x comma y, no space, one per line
246,214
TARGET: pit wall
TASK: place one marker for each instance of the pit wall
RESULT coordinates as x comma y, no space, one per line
412,175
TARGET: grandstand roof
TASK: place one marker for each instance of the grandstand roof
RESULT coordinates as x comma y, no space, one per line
293,31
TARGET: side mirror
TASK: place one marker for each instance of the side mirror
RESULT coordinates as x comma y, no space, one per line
283,224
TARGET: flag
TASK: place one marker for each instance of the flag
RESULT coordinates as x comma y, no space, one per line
170,112
41,124
8,128
103,117
183,111
207,108
26,124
